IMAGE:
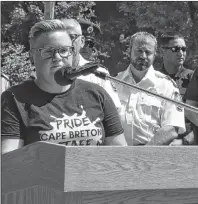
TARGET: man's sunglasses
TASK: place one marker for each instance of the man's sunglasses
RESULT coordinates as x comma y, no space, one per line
176,48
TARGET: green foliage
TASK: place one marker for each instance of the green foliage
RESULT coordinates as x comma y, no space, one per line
15,62
157,18
22,16
17,19
74,9
165,17
118,21
160,16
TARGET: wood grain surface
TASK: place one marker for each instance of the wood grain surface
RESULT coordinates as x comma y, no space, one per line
131,168
45,195
36,164
50,173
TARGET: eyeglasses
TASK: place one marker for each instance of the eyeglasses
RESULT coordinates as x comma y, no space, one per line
176,48
74,36
49,52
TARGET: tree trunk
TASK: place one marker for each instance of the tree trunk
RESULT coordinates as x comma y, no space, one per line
49,10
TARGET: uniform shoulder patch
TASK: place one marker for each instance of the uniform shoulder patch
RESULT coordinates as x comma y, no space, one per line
177,97
186,74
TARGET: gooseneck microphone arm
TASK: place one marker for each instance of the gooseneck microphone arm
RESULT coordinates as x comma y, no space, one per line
66,74
107,76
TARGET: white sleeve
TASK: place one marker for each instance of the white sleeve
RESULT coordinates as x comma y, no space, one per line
173,114
4,84
110,89
113,93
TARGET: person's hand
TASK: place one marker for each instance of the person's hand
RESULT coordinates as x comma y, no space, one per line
164,136
176,142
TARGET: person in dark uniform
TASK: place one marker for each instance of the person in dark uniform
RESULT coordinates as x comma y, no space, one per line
174,55
191,97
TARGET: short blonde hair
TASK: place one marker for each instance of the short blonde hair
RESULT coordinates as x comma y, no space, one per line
72,25
44,27
142,35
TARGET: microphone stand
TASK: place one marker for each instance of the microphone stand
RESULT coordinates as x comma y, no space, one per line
107,76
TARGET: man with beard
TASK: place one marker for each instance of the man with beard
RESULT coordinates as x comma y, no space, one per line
174,54
147,119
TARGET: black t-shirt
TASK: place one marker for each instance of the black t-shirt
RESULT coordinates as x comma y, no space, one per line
83,115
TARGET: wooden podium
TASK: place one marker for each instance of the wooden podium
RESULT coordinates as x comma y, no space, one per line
44,173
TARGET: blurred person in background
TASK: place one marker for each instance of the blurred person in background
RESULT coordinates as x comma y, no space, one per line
83,36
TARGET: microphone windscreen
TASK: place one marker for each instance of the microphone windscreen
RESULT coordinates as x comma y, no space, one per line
61,78
86,69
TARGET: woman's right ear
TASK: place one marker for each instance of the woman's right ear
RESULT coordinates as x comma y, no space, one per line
82,41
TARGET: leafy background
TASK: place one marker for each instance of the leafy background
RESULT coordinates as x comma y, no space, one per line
118,20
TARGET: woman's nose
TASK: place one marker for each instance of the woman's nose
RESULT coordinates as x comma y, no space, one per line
57,57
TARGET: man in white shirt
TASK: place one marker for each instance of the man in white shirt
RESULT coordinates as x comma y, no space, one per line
75,31
147,119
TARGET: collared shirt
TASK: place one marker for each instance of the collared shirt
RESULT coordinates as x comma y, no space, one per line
182,79
106,84
5,83
143,115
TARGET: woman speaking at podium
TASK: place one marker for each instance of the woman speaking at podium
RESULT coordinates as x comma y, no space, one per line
53,108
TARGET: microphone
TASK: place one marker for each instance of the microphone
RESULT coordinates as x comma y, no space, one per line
60,78
66,75
83,70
